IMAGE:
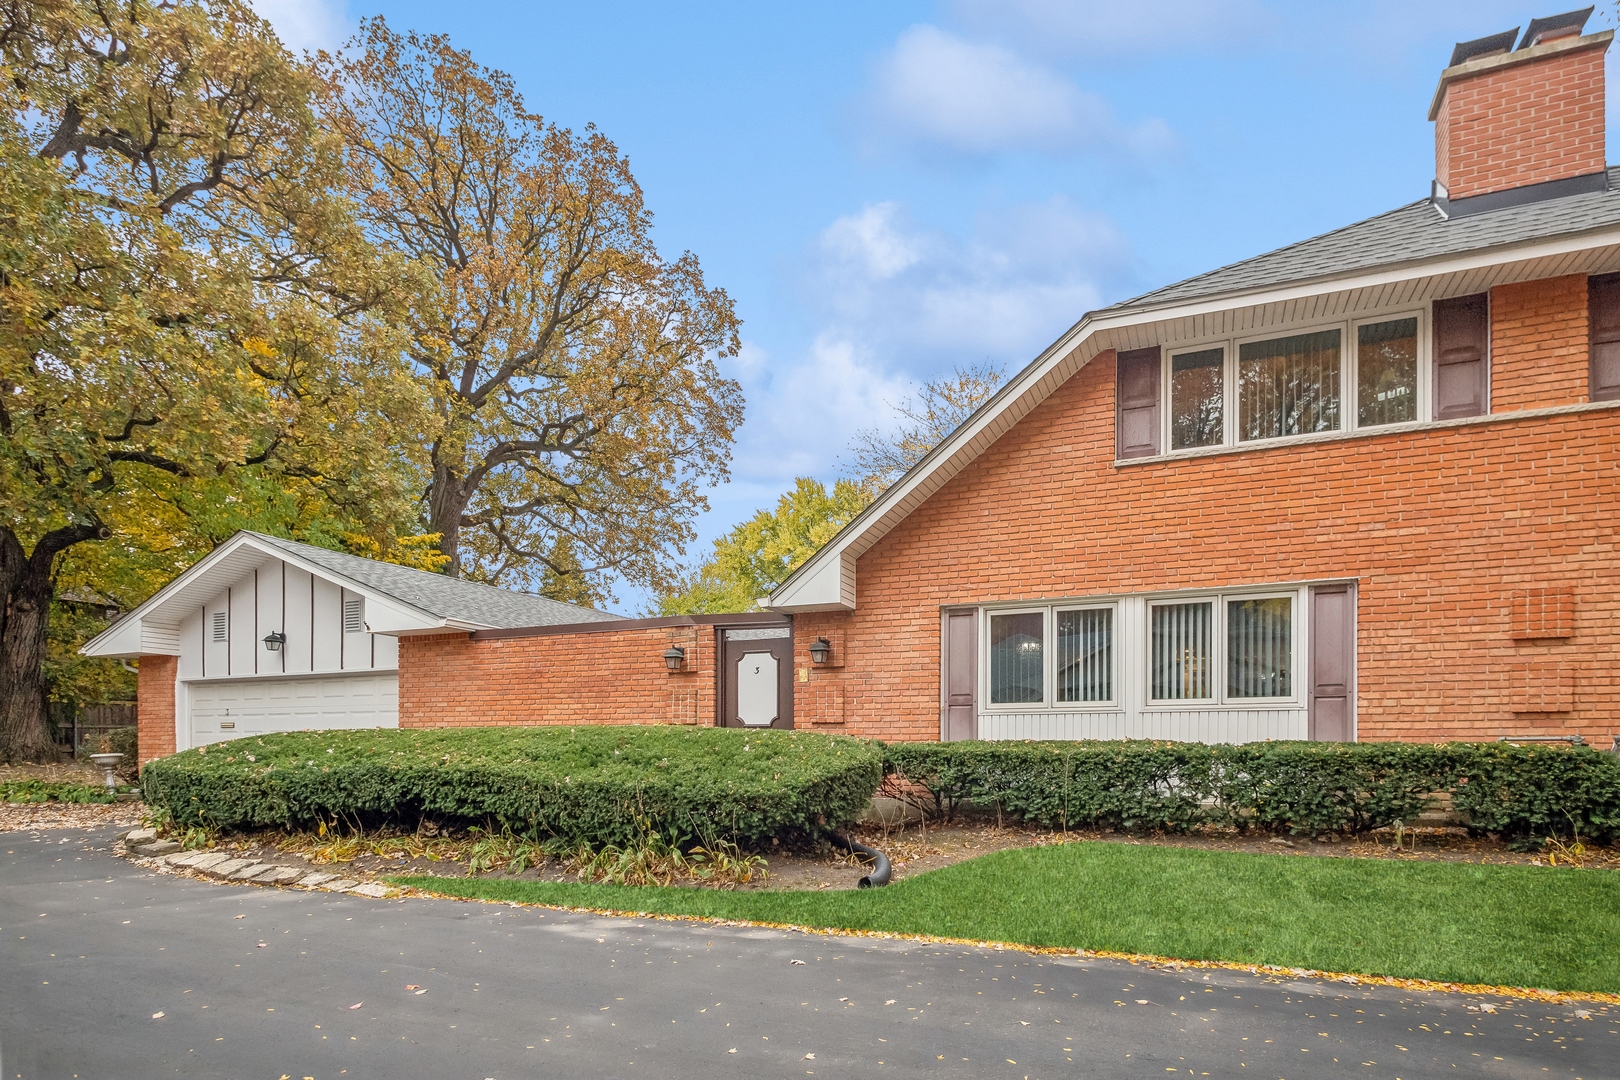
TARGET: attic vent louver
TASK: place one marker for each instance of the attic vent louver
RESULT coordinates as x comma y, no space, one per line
353,620
220,625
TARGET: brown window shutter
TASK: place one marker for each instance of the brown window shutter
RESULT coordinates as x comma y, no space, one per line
1603,308
1333,663
1462,330
959,718
1137,394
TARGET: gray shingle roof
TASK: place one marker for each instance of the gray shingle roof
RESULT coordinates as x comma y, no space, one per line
436,594
1413,233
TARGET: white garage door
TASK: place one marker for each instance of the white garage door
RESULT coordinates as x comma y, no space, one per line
231,709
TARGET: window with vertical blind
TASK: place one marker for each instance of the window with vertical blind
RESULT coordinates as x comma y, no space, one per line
1018,658
1237,649
1182,650
1359,374
1085,655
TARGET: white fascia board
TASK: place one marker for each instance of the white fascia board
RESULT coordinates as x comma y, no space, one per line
821,583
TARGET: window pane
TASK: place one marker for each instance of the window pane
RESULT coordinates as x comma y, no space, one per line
1288,386
1196,398
1260,648
1386,363
1085,656
1017,648
1181,651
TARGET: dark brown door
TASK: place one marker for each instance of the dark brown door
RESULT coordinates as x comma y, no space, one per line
960,676
757,680
1333,663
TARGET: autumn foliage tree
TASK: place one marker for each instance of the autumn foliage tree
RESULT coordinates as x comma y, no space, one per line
578,411
184,305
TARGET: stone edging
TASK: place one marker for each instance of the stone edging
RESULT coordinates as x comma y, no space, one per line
141,846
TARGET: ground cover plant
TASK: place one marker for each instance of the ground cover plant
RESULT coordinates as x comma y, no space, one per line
48,791
1498,925
593,785
1299,787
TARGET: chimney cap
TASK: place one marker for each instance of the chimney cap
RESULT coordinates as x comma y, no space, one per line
1570,23
1495,43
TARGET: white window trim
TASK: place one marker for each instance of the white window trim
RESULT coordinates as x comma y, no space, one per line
1349,371
1220,698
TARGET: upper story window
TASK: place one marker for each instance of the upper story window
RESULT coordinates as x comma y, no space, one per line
1359,374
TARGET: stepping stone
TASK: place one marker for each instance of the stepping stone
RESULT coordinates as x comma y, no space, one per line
229,867
252,871
281,875
340,885
139,836
158,847
371,889
209,860
318,879
188,858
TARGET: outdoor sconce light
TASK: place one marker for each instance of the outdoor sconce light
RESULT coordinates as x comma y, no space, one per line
274,640
820,651
674,657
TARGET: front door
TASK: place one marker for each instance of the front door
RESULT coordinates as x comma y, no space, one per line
757,679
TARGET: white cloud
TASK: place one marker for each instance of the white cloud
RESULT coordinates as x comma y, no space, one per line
937,89
1085,28
918,296
307,25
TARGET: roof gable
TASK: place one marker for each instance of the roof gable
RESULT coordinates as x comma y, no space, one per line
399,600
1406,256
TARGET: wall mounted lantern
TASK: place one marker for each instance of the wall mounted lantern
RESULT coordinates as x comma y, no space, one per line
274,640
674,657
820,651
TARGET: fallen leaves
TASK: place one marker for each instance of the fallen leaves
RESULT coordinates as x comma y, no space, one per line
800,963
158,1015
356,1005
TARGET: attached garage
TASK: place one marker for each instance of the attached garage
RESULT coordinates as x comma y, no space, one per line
232,708
266,635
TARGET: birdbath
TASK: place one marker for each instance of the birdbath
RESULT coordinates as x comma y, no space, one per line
108,763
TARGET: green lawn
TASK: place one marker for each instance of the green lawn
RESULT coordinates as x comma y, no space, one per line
1501,925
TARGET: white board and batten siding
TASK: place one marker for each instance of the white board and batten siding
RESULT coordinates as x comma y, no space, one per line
330,672
1179,725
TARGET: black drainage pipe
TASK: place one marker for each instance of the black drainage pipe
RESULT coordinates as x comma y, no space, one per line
879,876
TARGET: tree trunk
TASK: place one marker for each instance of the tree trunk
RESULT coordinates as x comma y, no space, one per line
447,501
26,582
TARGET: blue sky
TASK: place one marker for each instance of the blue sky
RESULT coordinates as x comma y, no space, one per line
888,190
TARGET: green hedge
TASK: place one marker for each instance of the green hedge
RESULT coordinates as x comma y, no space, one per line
595,785
1302,787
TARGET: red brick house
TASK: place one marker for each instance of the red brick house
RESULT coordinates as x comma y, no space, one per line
1363,487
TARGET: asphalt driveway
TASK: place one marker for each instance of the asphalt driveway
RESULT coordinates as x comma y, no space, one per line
110,971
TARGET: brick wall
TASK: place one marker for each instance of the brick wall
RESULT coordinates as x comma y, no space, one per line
1442,528
607,677
155,688
1525,123
1539,344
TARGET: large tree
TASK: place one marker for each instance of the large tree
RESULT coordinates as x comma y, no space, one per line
579,411
180,300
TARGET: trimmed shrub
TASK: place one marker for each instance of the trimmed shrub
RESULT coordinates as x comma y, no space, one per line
594,785
1302,787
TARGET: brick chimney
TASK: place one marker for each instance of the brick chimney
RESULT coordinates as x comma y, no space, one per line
1507,119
